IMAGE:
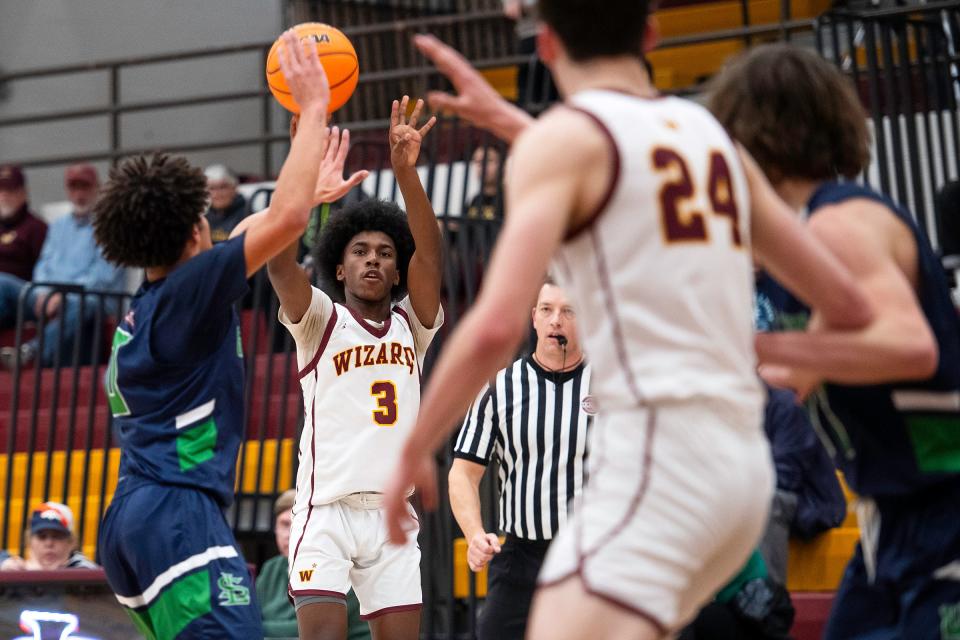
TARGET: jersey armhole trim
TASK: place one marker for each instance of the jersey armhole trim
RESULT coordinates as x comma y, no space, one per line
331,323
575,231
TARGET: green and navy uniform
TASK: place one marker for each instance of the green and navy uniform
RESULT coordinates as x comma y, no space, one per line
898,445
175,387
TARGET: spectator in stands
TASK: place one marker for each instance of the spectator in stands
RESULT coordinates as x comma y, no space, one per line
21,232
535,86
227,207
53,544
752,606
808,499
70,256
488,204
279,616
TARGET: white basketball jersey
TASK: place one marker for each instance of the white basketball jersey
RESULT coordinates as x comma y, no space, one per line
663,271
361,395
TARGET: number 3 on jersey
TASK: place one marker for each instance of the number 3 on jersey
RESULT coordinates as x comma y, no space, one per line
385,392
691,225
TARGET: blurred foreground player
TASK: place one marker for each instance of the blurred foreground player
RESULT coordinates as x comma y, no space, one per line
651,213
175,380
891,406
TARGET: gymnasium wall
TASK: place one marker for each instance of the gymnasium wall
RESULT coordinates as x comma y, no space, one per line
41,33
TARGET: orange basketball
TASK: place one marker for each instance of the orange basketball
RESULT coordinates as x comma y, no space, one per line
339,60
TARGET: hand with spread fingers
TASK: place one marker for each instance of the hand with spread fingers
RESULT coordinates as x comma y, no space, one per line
303,72
475,100
405,138
330,183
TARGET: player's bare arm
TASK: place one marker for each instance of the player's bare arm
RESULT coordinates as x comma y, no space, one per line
880,252
464,483
795,258
546,196
287,277
476,101
292,199
424,272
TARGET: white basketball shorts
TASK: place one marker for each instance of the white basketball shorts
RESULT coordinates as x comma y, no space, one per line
676,501
338,545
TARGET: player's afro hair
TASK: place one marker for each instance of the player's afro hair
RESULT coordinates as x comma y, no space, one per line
343,225
148,209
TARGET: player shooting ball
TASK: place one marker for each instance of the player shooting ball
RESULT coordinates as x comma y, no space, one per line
361,340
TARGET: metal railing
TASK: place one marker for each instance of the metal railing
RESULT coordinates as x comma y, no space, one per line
55,423
904,62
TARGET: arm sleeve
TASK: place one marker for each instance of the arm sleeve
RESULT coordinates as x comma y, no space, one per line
308,332
422,337
195,310
477,438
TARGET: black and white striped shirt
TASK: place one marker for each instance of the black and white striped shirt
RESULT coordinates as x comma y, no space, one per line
535,421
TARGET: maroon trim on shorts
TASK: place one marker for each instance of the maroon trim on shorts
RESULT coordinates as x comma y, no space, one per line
376,332
388,610
620,604
313,473
331,323
619,342
637,498
319,592
618,528
611,185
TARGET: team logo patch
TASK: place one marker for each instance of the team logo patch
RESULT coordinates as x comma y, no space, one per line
950,622
306,575
589,406
232,591
8,237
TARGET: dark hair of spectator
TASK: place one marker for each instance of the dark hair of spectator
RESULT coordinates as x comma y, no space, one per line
345,224
148,209
589,29
796,114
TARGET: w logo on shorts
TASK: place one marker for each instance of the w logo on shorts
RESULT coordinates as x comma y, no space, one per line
306,575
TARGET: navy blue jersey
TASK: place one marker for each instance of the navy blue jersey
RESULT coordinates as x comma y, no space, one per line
898,438
175,380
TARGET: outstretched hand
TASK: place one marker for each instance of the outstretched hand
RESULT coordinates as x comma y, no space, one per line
476,100
330,185
417,470
405,138
305,76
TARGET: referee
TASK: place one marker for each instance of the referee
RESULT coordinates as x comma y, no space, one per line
534,418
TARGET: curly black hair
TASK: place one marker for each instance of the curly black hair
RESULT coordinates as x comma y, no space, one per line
367,215
148,209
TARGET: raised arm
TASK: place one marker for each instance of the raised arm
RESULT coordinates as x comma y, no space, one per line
423,274
287,277
790,253
898,344
293,197
476,101
544,195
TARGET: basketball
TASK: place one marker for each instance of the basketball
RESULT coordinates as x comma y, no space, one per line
339,60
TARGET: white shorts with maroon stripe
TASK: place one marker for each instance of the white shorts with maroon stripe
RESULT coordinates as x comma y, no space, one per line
676,501
338,545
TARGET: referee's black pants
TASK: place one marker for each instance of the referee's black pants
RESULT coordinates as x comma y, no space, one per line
511,581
